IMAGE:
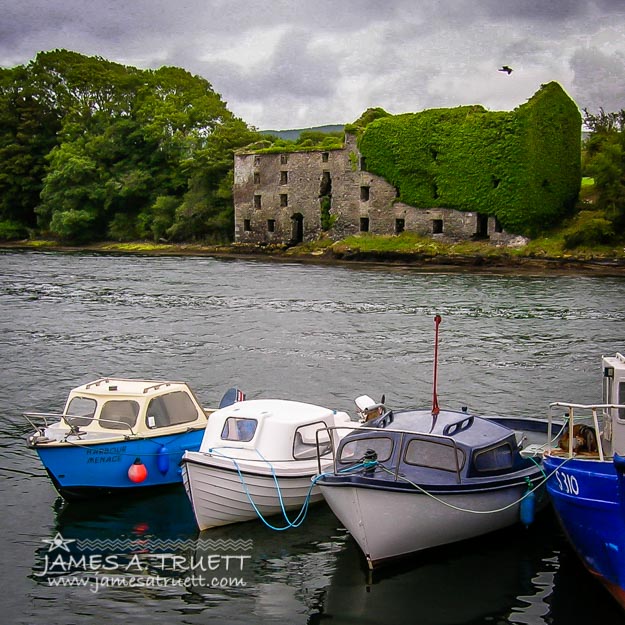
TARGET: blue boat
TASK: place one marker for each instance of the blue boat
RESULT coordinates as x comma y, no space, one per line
116,436
587,479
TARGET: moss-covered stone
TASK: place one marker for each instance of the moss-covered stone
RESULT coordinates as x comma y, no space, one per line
522,166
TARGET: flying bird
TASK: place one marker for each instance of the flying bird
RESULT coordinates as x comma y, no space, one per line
506,69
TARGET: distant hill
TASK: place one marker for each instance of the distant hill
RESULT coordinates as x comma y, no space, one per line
292,135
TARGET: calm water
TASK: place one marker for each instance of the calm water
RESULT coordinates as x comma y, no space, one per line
320,334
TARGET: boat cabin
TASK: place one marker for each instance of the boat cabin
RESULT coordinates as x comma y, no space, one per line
115,407
277,429
614,395
451,448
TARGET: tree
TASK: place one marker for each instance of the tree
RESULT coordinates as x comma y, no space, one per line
102,143
605,162
28,131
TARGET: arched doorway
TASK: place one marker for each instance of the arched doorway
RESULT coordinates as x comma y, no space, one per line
297,228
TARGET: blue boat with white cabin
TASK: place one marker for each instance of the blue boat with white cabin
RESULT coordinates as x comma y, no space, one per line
587,479
118,435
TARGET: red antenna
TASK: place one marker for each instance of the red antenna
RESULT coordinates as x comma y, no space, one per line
435,408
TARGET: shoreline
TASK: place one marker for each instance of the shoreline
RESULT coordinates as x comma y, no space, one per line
570,265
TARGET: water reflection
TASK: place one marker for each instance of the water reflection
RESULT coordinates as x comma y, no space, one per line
317,573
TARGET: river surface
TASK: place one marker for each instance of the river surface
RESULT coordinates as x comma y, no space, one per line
323,334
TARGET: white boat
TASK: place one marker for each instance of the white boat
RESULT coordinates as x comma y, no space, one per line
257,459
410,480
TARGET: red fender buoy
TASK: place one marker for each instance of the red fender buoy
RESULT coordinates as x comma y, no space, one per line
137,471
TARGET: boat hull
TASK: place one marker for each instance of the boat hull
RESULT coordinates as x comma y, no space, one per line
389,523
84,470
220,495
587,496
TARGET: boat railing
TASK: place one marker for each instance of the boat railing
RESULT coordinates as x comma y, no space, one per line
439,438
41,420
573,414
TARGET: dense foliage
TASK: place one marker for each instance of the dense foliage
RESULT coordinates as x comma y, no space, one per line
91,149
604,160
308,140
521,166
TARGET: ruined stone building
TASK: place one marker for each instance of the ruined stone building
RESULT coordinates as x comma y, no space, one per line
280,198
533,168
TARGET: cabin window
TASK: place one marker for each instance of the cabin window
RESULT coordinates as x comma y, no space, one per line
305,441
119,414
236,429
354,450
171,409
434,455
80,411
494,459
621,399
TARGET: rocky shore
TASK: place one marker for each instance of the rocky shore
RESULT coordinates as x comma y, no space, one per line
508,263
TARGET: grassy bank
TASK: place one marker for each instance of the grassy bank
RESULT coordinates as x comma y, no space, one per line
405,249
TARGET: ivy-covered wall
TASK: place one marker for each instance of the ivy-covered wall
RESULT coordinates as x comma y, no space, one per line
521,166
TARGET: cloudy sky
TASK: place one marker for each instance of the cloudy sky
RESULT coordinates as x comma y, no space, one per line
297,63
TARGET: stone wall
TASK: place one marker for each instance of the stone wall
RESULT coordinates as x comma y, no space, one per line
278,199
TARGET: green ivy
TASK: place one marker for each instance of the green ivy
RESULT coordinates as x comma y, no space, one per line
327,219
521,166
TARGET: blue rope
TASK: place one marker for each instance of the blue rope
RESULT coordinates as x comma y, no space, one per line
301,515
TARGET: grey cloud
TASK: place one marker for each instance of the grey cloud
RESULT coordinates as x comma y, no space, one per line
402,55
599,80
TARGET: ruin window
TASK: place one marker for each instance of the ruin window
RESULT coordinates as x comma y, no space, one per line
247,225
284,199
257,201
324,157
364,224
284,159
364,194
325,188
437,226
271,225
284,177
256,177
257,160
363,163
400,225
498,226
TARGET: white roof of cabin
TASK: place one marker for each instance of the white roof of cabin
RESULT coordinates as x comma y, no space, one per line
277,421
